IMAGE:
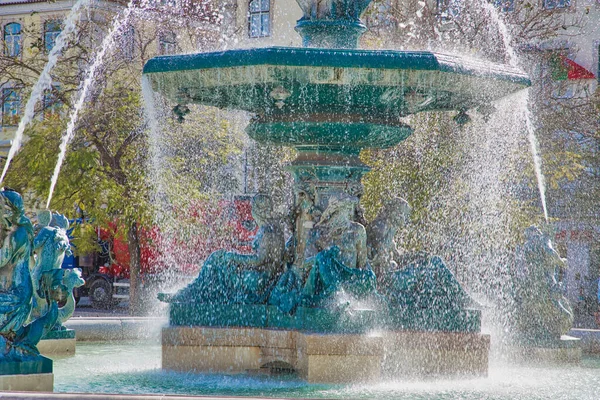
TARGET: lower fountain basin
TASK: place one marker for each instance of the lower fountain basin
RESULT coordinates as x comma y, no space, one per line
135,367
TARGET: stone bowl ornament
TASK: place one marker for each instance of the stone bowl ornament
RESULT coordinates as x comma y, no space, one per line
331,23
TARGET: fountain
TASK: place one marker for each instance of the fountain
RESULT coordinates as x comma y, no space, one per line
337,302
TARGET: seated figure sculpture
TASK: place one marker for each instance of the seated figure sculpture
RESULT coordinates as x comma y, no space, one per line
337,250
413,279
17,340
228,277
541,309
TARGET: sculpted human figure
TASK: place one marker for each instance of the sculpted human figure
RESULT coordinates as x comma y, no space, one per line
381,236
542,309
17,340
337,256
16,287
50,246
229,277
409,279
286,293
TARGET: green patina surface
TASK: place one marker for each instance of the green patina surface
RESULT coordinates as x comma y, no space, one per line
323,320
331,98
350,58
40,365
345,137
299,83
60,334
460,320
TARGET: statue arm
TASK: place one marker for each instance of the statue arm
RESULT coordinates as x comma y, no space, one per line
361,249
265,252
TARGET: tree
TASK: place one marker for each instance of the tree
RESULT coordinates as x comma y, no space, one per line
104,173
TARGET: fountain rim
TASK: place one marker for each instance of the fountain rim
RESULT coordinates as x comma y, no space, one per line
336,58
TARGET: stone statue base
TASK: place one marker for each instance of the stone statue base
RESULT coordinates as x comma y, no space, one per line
324,358
30,376
27,383
58,342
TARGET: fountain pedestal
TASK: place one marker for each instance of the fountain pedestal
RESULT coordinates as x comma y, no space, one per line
325,358
61,342
27,376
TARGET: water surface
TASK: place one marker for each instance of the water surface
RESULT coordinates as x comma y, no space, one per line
129,368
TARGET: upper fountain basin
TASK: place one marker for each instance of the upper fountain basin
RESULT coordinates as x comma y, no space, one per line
292,89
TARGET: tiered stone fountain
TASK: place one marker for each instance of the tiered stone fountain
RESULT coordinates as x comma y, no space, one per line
337,303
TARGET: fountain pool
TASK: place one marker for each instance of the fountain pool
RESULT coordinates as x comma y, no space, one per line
135,367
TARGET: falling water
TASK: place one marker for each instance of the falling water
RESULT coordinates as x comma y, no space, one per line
44,82
535,152
155,162
107,43
513,58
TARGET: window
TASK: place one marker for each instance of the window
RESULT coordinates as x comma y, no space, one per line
51,31
552,4
259,18
51,102
167,43
11,106
505,5
12,39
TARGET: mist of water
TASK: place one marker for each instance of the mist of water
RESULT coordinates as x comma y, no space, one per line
150,113
513,60
108,42
505,35
44,81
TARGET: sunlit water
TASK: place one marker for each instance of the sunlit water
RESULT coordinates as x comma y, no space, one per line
118,23
128,368
44,81
513,60
536,153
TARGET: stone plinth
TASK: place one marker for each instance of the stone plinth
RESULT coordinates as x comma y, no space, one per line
58,342
325,358
436,354
27,383
30,376
50,347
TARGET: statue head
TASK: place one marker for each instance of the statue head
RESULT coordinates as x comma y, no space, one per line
60,221
262,208
13,211
395,210
44,217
